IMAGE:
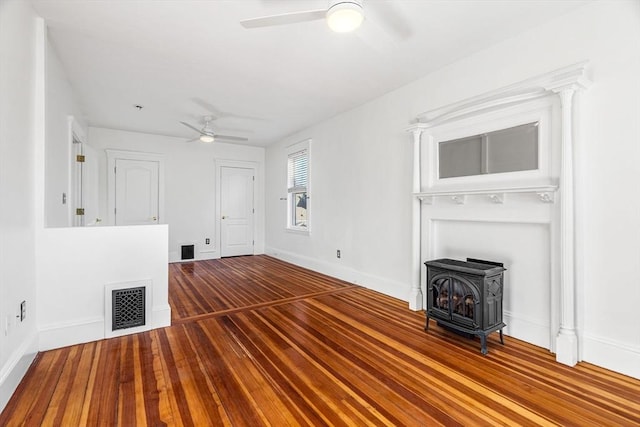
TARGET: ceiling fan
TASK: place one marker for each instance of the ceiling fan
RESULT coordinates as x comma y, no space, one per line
207,134
342,16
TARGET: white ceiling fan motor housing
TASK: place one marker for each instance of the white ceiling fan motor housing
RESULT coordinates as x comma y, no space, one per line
344,16
207,134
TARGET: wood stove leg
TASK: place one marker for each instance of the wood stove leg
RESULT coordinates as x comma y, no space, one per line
426,324
501,337
483,341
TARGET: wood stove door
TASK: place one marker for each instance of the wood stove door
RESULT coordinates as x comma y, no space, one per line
438,301
465,302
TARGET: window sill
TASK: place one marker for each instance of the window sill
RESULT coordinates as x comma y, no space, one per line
301,231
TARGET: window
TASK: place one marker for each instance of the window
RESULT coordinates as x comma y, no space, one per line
506,150
297,187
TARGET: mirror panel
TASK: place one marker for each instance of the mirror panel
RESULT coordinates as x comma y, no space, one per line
506,150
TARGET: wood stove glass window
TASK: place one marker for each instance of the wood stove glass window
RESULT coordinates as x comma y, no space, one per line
454,297
462,299
506,150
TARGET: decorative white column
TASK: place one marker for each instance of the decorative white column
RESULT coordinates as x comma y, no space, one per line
416,299
567,338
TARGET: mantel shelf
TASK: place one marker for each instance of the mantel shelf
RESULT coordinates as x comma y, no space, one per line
546,193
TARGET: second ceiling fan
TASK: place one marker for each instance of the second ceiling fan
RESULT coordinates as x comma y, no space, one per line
207,134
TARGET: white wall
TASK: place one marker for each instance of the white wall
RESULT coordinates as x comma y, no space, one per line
18,124
61,104
190,185
361,172
360,179
610,207
75,265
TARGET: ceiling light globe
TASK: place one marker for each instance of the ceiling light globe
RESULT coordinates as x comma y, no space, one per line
345,16
206,138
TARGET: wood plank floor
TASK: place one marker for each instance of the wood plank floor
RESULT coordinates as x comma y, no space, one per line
256,341
198,289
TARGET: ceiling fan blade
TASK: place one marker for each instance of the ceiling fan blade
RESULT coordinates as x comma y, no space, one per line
210,109
284,19
192,127
230,138
217,114
392,18
193,140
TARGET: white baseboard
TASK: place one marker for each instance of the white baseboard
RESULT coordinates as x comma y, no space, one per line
77,332
16,367
527,329
610,354
92,329
199,256
380,284
161,316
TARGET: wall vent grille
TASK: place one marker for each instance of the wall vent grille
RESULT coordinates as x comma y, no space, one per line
187,251
128,308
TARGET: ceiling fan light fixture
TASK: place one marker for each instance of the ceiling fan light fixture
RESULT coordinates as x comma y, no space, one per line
206,138
345,16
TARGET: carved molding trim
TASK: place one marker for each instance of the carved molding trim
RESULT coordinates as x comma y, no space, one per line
497,198
427,200
570,77
459,199
546,197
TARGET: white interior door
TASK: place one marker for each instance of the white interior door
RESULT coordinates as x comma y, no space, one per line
236,206
136,188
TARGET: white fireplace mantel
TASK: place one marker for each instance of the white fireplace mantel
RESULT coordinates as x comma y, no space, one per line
564,83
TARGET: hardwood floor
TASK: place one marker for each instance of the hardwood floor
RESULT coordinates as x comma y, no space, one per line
256,341
198,289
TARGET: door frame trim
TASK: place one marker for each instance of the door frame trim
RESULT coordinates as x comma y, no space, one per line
74,192
257,206
112,157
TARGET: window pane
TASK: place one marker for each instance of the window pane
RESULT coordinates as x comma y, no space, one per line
299,209
297,181
298,169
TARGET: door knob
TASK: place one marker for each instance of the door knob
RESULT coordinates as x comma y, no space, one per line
224,217
154,218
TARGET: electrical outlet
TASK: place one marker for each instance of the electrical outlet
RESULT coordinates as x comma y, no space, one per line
338,253
207,241
23,311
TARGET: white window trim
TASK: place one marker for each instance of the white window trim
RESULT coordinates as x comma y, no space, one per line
291,149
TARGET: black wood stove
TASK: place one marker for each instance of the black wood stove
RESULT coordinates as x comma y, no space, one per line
466,296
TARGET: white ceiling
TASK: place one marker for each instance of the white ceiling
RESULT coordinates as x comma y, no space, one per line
184,59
